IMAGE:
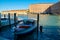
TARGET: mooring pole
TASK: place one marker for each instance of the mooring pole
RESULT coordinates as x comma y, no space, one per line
9,19
4,15
0,19
41,27
37,24
15,19
15,25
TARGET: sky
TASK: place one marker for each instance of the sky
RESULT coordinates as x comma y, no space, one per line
21,4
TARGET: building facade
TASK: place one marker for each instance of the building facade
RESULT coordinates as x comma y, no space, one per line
18,12
56,8
45,8
40,8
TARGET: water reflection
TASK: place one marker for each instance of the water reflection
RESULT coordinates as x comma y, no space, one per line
51,28
50,20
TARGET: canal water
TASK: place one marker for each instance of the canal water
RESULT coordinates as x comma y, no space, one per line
50,20
50,23
51,26
47,20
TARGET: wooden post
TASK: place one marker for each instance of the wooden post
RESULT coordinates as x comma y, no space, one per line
15,19
14,25
37,24
9,18
27,13
0,19
4,16
41,27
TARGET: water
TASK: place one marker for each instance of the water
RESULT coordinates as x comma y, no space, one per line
47,20
8,32
23,17
51,27
50,20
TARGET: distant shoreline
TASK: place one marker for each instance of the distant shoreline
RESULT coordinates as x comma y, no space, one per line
44,14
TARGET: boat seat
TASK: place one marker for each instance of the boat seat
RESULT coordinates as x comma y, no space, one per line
26,26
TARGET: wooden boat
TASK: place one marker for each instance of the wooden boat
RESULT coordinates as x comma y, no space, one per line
4,18
25,26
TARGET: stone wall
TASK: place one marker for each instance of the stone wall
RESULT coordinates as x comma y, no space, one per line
45,8
55,9
39,8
